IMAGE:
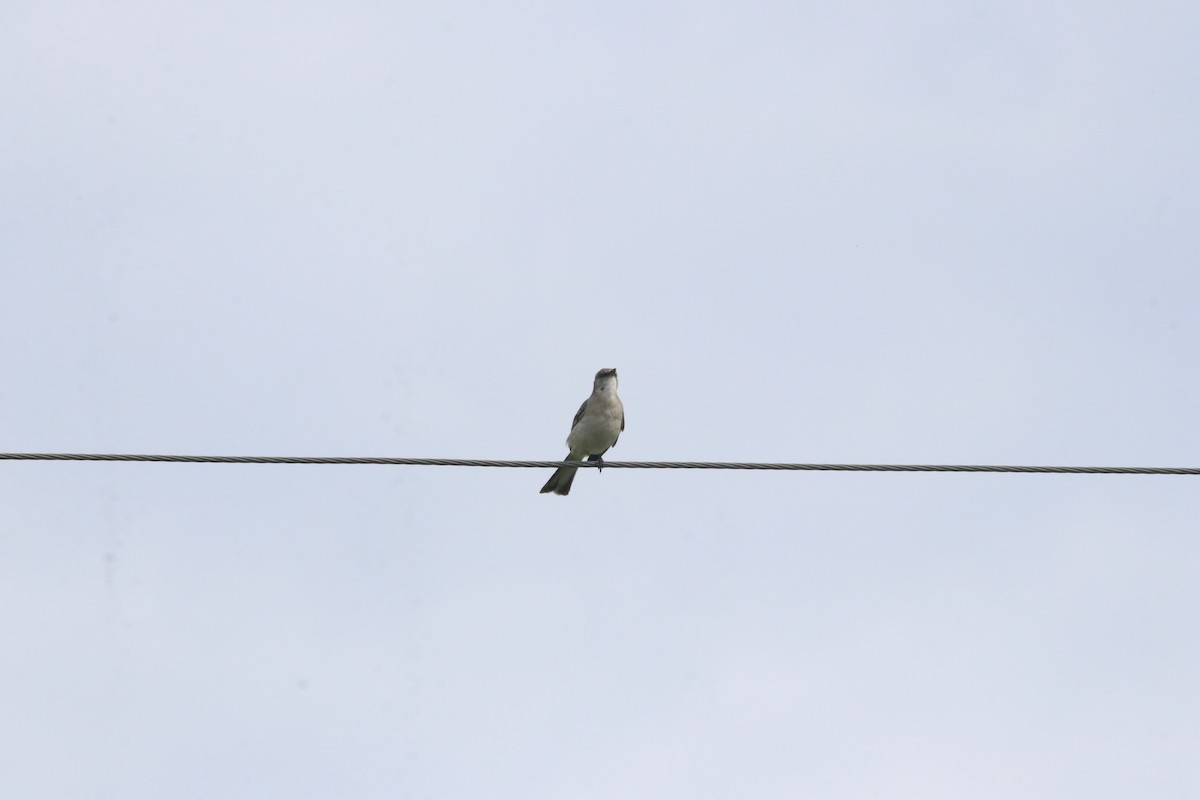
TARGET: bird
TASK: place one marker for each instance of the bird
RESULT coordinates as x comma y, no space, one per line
596,427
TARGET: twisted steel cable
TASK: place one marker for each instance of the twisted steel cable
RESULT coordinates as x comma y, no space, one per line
477,462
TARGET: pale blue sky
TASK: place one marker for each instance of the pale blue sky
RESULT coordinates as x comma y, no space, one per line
925,232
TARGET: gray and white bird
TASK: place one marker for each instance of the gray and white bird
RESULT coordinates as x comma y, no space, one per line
596,428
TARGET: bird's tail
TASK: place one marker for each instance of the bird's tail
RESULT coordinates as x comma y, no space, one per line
560,481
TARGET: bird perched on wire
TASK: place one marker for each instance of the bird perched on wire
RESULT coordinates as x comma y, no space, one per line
596,428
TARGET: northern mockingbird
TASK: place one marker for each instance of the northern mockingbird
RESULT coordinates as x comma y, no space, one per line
596,428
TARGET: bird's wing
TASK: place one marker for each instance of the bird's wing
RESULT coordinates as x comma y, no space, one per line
579,415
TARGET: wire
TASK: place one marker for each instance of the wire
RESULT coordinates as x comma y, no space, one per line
470,462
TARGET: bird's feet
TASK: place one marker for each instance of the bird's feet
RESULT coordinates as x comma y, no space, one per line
599,462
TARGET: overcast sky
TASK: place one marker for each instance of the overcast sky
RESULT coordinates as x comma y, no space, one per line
888,233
